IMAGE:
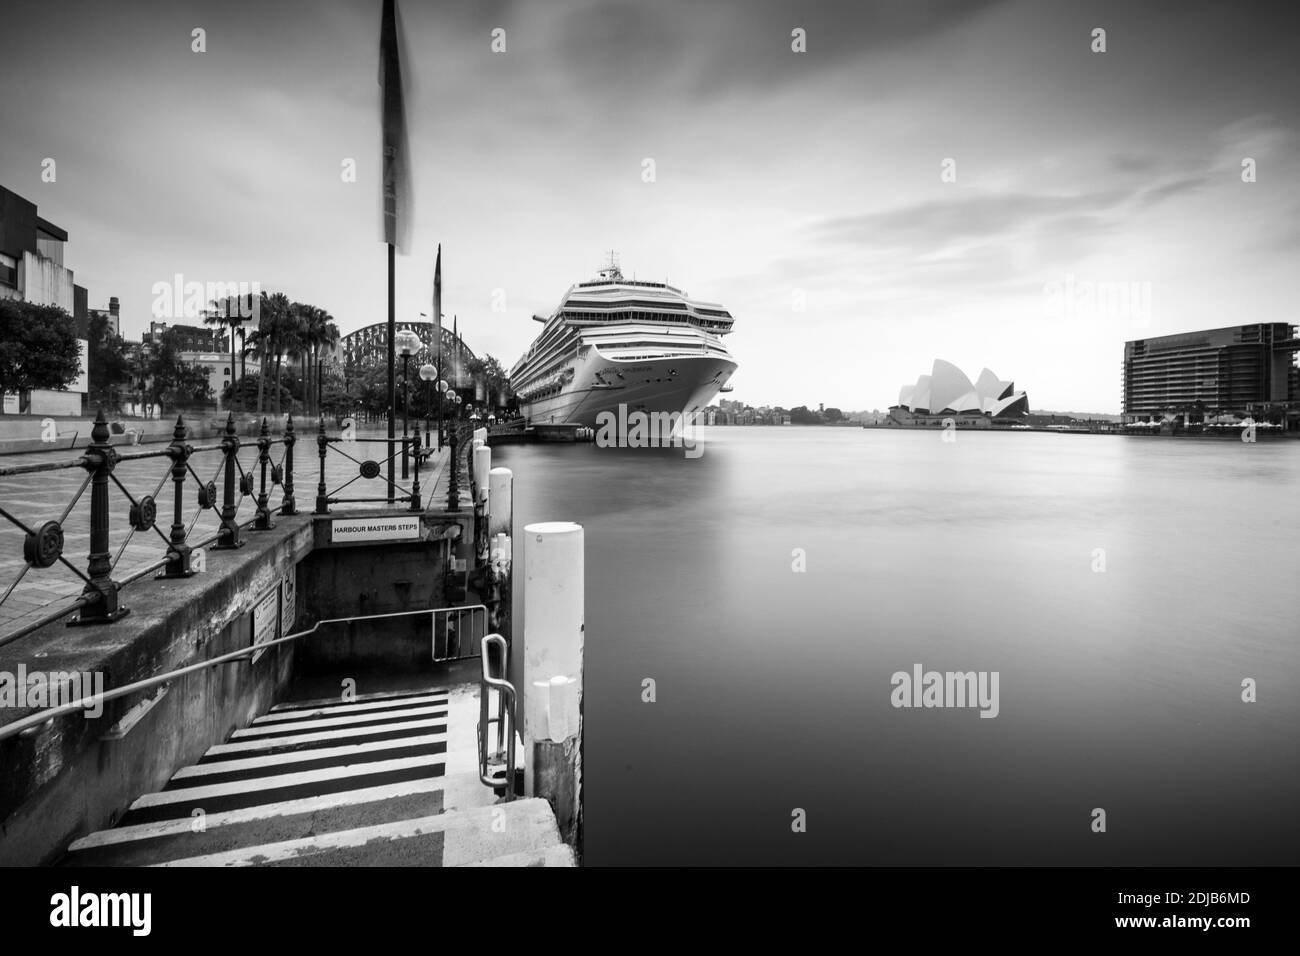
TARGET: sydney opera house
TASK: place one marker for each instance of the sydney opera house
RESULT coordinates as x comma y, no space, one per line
947,392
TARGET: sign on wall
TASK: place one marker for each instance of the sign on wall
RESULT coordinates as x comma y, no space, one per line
355,530
266,618
288,602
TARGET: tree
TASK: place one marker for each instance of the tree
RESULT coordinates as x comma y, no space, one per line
107,358
38,347
800,415
833,415
175,381
230,311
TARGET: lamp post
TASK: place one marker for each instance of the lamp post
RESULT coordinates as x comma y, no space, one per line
427,374
408,343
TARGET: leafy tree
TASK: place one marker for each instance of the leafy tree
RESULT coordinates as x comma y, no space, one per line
38,347
833,415
176,382
800,415
109,364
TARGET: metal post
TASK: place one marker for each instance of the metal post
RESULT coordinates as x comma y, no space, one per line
178,563
552,670
453,481
264,522
101,591
406,414
415,487
322,499
228,536
288,506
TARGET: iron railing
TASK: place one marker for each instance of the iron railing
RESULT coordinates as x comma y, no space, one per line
496,769
99,602
368,469
457,632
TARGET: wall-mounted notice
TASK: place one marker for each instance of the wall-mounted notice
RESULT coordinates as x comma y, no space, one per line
353,530
288,602
266,617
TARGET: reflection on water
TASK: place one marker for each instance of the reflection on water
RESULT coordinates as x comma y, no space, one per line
1120,689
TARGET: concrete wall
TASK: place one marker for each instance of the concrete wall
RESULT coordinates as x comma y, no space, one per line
381,578
66,779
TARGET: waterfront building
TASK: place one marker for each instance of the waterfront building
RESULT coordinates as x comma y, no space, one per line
946,392
189,338
1236,370
32,270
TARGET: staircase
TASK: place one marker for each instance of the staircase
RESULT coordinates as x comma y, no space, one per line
380,780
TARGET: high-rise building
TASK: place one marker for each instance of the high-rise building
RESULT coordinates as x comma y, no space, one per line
1236,369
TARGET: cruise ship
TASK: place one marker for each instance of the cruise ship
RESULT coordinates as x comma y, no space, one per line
614,341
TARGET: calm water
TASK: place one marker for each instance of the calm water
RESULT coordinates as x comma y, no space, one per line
1119,690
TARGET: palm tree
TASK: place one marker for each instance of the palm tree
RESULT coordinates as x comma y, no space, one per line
275,320
319,332
228,312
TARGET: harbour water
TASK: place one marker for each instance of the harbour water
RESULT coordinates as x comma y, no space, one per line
1120,689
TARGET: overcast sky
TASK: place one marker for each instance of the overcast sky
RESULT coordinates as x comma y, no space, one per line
780,176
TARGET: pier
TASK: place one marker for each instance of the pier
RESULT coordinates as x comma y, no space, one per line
304,673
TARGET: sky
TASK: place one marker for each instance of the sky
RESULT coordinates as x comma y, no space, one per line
958,180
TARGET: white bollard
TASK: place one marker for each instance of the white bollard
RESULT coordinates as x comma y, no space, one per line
554,615
480,434
501,483
482,467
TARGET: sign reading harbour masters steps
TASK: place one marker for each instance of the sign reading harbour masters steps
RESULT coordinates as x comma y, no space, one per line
355,530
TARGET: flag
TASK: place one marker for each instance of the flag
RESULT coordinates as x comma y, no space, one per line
396,148
437,309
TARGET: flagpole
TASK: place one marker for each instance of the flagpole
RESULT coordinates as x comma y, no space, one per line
392,359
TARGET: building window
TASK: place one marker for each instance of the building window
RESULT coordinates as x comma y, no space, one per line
8,271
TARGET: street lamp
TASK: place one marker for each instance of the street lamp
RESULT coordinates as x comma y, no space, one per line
408,343
427,374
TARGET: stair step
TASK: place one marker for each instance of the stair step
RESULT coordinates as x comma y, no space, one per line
456,838
150,843
561,855
340,709
275,788
314,724
247,747
293,705
319,758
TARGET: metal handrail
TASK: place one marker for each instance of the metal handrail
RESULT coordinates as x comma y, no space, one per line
505,719
83,703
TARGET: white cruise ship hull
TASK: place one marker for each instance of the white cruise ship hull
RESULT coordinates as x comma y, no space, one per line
681,383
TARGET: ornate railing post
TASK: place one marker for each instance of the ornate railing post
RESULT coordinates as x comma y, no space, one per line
453,480
228,535
322,496
264,522
415,485
288,506
178,561
101,591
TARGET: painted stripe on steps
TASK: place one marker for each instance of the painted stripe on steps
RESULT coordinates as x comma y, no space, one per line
171,804
230,771
341,709
467,833
459,790
291,705
560,855
325,723
326,738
